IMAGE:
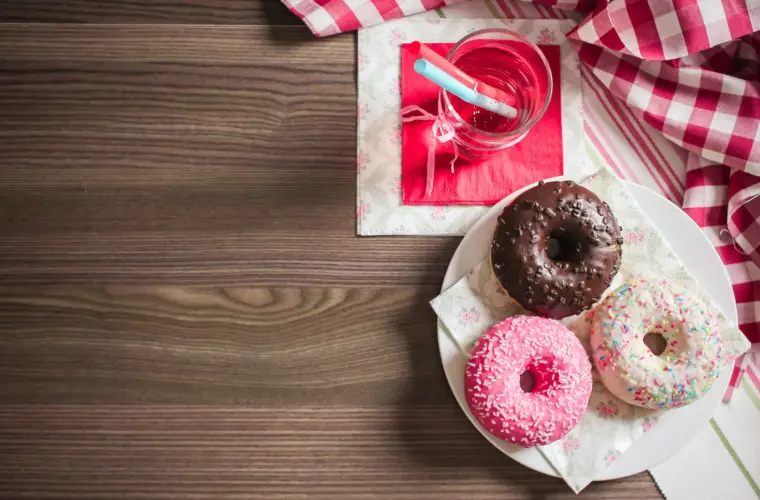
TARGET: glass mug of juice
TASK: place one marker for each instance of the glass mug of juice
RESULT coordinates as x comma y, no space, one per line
510,63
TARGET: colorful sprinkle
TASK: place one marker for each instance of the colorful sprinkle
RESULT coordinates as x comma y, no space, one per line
693,346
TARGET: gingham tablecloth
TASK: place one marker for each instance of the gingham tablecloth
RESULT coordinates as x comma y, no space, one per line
688,68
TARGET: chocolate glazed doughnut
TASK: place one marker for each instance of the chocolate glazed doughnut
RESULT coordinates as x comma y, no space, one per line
556,249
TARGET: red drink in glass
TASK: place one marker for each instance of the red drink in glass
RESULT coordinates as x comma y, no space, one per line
510,63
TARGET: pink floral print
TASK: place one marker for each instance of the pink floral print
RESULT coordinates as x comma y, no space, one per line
648,423
361,161
397,36
438,213
362,210
396,186
607,409
396,136
471,315
362,61
634,237
569,446
362,111
611,456
546,37
394,87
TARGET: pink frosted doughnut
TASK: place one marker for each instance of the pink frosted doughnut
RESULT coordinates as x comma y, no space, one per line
561,372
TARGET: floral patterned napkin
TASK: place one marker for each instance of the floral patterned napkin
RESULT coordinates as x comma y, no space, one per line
610,426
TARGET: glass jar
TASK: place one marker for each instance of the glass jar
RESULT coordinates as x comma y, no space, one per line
510,63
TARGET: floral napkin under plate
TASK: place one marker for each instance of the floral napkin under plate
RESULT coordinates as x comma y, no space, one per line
610,426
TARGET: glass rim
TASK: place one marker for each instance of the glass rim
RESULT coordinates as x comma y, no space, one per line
528,125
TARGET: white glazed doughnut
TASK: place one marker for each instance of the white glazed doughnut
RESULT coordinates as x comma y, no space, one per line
690,362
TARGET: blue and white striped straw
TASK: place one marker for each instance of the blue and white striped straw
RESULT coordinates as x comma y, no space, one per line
448,82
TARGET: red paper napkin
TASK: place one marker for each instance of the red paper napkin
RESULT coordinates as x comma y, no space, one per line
537,156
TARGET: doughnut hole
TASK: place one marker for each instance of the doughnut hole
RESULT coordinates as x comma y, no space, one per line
538,376
656,342
666,341
527,381
566,245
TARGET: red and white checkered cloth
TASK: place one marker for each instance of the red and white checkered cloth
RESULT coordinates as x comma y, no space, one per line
688,68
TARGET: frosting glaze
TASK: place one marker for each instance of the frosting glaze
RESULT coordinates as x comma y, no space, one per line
690,362
560,369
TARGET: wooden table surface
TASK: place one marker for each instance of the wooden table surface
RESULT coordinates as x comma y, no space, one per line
185,310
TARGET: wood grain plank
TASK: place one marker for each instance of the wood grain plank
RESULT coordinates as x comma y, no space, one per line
261,346
194,154
291,50
401,452
252,12
339,393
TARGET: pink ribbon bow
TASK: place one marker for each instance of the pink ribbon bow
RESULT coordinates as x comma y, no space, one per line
441,131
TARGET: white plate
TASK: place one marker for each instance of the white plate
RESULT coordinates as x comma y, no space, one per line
677,427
